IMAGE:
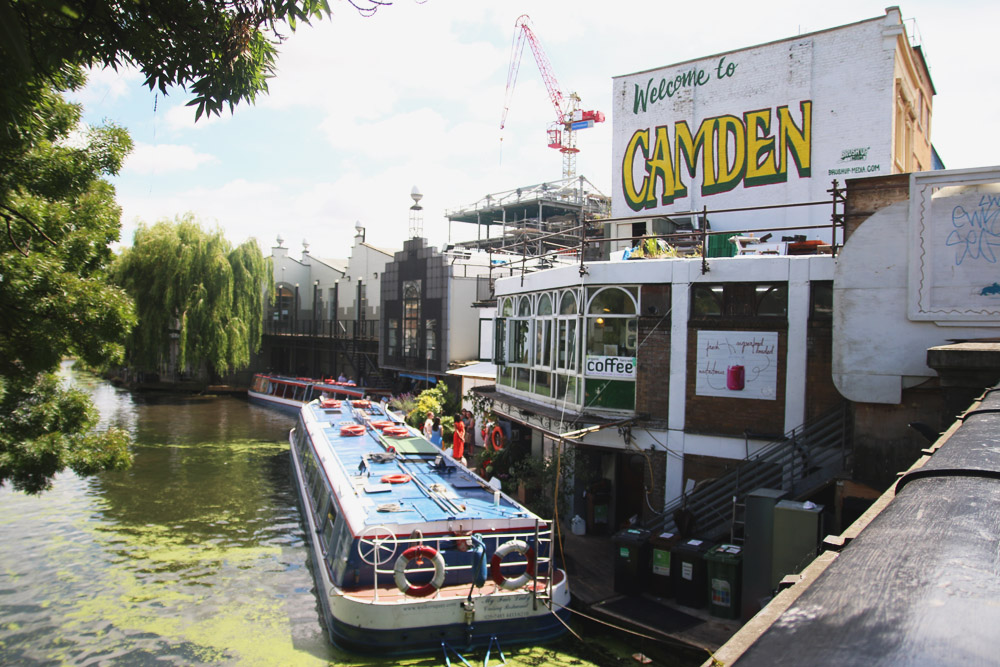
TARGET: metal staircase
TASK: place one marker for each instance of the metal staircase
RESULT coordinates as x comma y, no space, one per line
803,461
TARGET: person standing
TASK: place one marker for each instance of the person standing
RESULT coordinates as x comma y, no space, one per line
470,434
458,441
428,425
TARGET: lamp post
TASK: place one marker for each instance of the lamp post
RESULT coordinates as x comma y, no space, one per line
359,329
315,303
295,311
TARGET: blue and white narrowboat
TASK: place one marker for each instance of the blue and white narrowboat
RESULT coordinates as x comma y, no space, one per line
411,551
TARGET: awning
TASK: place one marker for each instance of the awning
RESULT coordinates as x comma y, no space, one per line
485,370
422,378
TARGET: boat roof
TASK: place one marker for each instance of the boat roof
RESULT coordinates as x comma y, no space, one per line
439,493
347,388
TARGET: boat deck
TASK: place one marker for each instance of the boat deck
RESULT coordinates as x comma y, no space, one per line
436,488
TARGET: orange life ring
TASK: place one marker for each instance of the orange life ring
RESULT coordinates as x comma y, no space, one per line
398,478
512,583
382,424
496,438
329,403
361,404
396,431
352,429
419,552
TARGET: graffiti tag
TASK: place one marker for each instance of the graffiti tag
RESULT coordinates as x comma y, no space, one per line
976,231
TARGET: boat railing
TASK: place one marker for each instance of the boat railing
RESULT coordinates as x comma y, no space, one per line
385,550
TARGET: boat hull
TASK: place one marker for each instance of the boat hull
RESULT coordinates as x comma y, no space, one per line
285,405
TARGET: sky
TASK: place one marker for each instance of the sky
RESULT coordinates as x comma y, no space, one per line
363,109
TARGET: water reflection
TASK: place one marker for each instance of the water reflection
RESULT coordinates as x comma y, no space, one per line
194,555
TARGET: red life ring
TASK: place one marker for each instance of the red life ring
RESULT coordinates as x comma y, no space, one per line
352,429
361,404
419,552
513,583
399,478
380,425
496,438
329,403
396,431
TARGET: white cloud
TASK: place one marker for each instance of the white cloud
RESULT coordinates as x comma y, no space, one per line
164,158
413,96
107,86
181,117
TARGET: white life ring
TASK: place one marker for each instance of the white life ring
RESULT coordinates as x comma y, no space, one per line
419,552
512,583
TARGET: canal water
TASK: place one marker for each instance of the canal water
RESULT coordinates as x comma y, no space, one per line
194,555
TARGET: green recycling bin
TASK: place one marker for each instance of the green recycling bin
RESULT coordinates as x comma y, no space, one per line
631,560
662,545
725,565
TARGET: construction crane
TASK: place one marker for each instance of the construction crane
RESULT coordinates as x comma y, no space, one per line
569,117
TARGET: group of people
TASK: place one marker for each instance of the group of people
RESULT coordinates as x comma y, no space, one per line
463,438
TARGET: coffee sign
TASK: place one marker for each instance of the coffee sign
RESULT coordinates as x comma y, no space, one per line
610,367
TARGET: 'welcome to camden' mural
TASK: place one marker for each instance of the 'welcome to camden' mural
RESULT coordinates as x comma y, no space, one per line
772,124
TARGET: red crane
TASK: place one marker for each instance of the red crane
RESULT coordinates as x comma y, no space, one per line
569,117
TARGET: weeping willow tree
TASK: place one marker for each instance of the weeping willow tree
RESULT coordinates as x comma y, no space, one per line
193,289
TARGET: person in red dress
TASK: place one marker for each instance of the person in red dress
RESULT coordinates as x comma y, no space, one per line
458,441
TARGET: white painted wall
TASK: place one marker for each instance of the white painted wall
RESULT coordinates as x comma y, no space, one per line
881,331
846,74
366,263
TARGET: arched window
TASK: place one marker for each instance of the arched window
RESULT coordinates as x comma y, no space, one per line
611,344
612,300
612,326
567,304
283,304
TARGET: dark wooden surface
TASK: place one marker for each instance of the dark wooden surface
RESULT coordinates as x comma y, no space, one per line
920,585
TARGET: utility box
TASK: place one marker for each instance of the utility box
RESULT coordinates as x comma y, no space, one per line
758,537
798,532
662,547
631,560
598,505
689,573
725,565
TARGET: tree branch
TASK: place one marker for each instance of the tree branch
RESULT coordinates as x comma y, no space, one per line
26,220
10,234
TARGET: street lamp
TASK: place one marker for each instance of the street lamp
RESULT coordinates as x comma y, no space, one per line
295,311
315,301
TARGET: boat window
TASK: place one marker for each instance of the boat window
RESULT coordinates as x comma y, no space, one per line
342,538
319,491
329,523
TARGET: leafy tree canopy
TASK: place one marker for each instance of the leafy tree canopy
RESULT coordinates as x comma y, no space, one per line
191,281
58,218
222,50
